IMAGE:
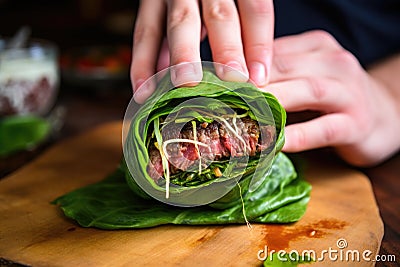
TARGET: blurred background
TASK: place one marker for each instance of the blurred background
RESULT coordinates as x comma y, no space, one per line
71,22
93,50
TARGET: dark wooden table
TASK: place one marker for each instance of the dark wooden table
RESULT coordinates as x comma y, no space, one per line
385,180
86,108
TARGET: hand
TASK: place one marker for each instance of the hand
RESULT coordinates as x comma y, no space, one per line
240,37
358,115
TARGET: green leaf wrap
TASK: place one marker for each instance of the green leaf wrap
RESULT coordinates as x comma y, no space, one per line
263,106
281,197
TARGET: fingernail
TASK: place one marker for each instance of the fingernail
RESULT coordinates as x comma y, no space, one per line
188,73
258,73
143,90
137,84
233,72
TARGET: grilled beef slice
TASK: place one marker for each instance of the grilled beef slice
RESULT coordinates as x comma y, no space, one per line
221,142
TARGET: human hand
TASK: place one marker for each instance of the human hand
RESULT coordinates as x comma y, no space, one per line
358,115
240,37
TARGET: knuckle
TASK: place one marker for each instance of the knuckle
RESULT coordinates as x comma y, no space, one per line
282,64
144,32
347,61
318,88
179,15
330,133
345,57
323,37
300,139
221,10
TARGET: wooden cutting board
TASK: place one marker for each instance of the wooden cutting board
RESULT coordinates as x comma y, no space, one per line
34,232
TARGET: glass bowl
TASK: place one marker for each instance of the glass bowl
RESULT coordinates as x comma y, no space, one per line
29,78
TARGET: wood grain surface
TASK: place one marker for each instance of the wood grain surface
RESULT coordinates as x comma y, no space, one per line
34,232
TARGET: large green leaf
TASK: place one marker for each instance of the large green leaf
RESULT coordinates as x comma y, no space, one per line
110,204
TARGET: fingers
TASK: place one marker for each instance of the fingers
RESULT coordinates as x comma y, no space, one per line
332,64
311,71
300,65
224,32
183,32
257,21
328,130
311,54
312,93
146,43
310,41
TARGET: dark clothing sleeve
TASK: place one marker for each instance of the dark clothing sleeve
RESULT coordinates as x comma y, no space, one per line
370,29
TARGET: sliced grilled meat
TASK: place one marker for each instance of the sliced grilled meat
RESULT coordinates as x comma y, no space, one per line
220,140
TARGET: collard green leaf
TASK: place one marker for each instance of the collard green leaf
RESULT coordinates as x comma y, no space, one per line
110,204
